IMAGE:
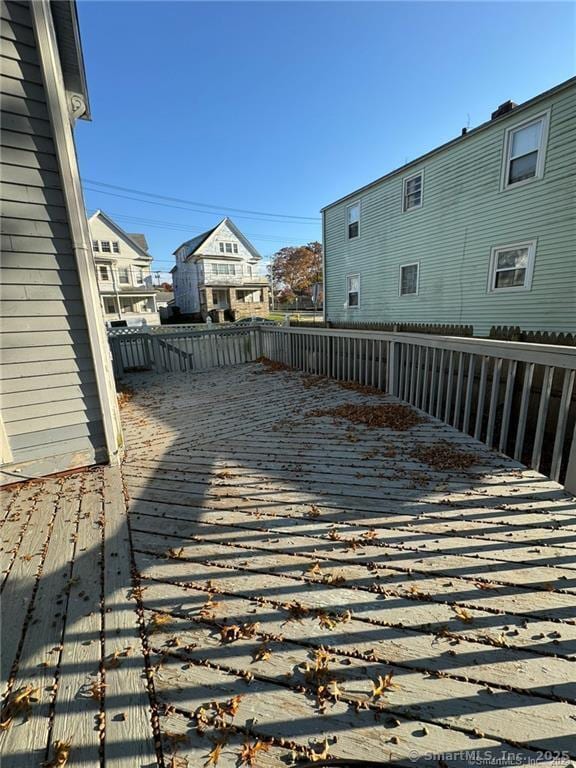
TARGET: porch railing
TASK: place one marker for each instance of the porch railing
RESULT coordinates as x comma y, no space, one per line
516,397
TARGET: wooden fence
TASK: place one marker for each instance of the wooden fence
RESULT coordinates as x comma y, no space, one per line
437,329
514,396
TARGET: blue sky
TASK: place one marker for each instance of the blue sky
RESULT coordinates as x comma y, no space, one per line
282,107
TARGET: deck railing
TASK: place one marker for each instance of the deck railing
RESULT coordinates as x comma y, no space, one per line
182,349
516,397
513,396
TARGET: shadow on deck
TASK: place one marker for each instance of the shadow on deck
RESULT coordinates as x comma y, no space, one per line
290,586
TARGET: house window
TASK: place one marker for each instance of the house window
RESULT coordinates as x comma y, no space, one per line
228,247
116,246
123,275
235,247
409,274
221,247
353,290
511,267
95,245
103,272
353,220
249,270
412,192
105,246
109,306
524,151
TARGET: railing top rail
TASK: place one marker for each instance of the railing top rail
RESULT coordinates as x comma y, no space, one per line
219,331
541,354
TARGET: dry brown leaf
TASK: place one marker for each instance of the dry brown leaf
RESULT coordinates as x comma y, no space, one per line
18,702
463,614
61,754
158,621
214,755
249,751
382,685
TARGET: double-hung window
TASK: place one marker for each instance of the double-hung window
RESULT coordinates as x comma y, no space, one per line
412,192
511,267
524,147
123,275
116,246
95,245
105,246
353,291
103,272
409,278
353,220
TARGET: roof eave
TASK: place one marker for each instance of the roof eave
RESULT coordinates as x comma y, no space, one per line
483,126
67,27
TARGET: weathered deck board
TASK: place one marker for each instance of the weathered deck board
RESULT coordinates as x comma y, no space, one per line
40,653
404,606
76,703
243,509
19,587
129,739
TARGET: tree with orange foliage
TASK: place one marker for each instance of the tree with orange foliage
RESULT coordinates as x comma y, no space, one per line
295,269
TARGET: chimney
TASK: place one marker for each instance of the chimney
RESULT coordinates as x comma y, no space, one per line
464,131
503,109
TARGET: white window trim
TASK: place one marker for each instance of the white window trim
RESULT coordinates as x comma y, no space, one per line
353,274
353,205
531,245
405,181
402,266
545,116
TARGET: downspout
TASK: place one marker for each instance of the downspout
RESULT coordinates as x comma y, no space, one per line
324,292
62,111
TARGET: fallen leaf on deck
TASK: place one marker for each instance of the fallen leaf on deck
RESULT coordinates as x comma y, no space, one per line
61,754
19,702
249,751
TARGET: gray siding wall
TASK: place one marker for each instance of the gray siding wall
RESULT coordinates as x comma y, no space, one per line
464,215
50,405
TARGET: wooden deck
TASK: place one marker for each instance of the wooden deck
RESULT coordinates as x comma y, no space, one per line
287,586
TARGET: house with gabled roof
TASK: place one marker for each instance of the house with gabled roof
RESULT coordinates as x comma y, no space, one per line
123,270
217,276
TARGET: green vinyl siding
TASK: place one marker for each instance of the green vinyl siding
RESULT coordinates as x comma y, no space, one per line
464,215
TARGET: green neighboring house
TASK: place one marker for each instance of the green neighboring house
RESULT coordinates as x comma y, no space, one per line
481,231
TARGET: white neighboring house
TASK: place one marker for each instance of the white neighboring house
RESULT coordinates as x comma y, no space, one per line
123,269
217,275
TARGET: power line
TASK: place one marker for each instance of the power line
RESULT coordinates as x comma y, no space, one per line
174,225
202,205
195,210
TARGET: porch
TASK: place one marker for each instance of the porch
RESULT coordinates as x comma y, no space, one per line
223,302
285,571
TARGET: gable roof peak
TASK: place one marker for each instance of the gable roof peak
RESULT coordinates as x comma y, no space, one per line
137,241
